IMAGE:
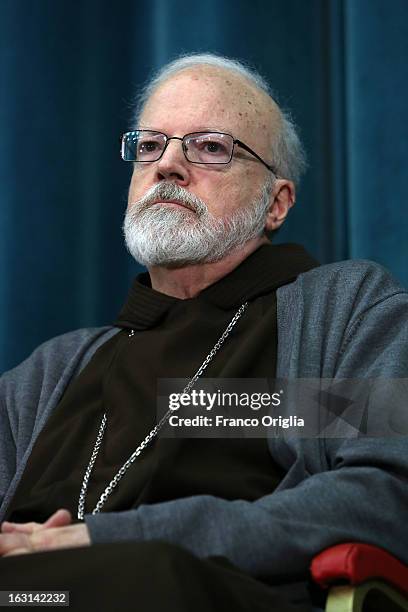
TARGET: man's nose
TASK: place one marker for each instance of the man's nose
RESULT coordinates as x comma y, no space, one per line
173,165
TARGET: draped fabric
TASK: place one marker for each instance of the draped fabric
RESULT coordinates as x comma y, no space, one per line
68,74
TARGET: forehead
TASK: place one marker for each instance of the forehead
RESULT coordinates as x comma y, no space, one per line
203,97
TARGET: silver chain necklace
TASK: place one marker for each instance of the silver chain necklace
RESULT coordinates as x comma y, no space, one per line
121,472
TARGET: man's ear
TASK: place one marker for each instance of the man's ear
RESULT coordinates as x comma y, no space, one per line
282,198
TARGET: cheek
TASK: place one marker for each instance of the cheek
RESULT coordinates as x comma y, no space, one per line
225,199
237,192
135,187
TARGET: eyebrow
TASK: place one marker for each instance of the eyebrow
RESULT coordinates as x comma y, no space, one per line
205,128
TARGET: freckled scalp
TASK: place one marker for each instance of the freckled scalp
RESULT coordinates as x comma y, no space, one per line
253,92
240,90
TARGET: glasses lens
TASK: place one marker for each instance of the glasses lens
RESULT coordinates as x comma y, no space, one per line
208,147
143,146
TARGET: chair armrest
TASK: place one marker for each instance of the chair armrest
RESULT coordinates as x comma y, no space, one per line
355,563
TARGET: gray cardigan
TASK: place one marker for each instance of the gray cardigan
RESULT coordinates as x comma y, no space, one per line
344,320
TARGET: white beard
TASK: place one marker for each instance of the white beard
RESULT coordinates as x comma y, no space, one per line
158,235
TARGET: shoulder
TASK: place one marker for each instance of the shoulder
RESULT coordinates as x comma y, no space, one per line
352,285
27,390
57,355
323,309
73,341
354,274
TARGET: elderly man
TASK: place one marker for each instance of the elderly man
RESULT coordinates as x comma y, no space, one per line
212,523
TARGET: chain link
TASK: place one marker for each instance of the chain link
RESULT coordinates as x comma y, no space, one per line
122,471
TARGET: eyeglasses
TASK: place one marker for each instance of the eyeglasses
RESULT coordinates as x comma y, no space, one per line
198,147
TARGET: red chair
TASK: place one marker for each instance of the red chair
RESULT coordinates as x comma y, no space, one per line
361,578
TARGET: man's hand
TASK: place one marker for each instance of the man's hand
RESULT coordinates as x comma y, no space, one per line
60,518
56,532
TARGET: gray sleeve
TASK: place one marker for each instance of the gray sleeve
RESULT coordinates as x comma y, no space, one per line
29,393
359,493
7,449
364,498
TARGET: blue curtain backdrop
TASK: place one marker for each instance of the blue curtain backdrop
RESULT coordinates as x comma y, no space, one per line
68,71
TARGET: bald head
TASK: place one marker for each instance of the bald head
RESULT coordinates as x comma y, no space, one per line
209,97
241,91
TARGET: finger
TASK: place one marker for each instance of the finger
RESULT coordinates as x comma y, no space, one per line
8,527
18,551
61,537
14,541
60,518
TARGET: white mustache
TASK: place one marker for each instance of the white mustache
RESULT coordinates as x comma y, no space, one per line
165,236
170,192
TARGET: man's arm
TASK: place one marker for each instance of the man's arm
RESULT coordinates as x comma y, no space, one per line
7,449
349,489
363,499
30,392
359,492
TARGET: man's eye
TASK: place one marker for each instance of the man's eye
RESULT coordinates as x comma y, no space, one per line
213,147
148,146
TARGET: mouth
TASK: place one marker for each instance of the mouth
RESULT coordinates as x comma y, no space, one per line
174,203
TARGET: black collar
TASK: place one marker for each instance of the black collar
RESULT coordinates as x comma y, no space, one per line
268,268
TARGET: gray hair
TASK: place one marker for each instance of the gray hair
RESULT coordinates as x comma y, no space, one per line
288,155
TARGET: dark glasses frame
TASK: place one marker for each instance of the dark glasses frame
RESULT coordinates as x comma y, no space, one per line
235,141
